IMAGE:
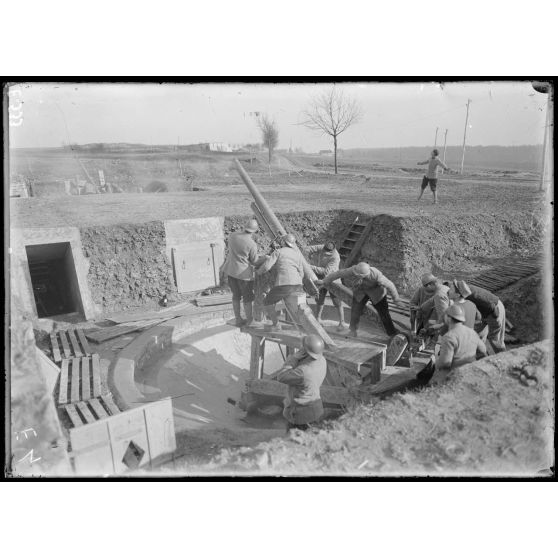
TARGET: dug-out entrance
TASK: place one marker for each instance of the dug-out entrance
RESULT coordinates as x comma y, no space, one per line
54,279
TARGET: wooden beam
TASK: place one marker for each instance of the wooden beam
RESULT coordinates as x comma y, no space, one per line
83,341
110,404
85,379
74,384
74,342
73,414
63,392
55,350
84,410
98,408
96,365
65,346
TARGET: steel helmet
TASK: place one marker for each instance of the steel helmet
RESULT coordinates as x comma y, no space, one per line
251,226
462,288
427,278
313,344
362,269
456,312
290,240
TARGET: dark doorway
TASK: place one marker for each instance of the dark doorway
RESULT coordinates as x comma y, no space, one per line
54,279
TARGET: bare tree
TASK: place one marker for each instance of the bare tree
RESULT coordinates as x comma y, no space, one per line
270,135
332,113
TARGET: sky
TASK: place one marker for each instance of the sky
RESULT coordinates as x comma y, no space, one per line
394,114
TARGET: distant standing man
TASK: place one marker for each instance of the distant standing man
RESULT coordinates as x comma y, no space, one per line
324,259
492,311
431,176
241,259
460,345
369,283
289,273
304,373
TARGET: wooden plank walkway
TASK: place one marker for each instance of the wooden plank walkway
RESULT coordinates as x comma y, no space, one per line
80,379
86,412
77,345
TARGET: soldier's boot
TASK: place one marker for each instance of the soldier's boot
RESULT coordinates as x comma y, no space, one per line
249,311
341,326
237,316
319,311
272,315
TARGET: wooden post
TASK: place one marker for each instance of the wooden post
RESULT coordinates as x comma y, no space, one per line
465,135
436,138
444,156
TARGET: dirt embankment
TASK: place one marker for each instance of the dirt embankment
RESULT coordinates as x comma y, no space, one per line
493,417
309,227
128,265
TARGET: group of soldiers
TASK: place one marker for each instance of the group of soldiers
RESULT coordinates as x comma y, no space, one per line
462,318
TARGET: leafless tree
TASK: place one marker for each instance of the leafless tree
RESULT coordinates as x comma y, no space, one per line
270,135
331,113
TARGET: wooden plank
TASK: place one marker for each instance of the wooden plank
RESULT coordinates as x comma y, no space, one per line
86,413
74,382
96,365
255,357
63,392
110,404
83,341
55,350
65,346
74,342
98,408
85,379
116,331
74,417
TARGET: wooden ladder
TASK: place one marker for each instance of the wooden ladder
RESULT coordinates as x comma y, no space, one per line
353,241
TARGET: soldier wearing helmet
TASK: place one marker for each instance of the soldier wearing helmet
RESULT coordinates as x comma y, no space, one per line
491,309
288,265
459,346
368,283
324,259
241,259
304,373
430,302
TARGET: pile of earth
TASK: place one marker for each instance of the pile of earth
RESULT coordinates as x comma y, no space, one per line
492,417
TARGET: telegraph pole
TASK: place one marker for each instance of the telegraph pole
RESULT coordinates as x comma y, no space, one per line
436,138
465,135
445,141
546,172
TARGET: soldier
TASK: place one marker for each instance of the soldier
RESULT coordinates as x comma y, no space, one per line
241,259
287,263
324,259
304,373
369,284
491,309
459,346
